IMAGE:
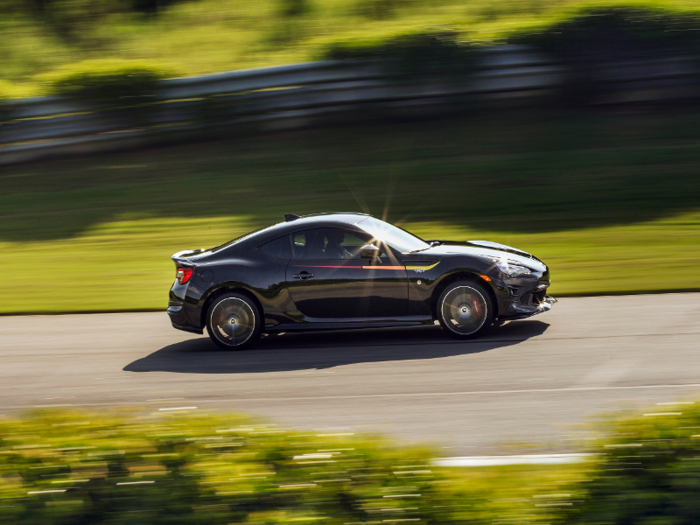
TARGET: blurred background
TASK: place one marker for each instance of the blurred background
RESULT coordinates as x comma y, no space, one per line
132,129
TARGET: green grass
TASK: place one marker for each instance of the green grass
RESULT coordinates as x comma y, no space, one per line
205,36
609,202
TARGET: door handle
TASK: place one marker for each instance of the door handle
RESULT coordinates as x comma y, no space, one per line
303,276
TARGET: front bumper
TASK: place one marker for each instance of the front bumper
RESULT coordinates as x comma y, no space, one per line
523,311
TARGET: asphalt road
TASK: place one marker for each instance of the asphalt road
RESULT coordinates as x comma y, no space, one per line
526,382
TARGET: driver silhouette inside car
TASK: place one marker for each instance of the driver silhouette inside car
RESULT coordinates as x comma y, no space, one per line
333,248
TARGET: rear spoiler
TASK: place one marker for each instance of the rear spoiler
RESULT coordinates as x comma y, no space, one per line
182,258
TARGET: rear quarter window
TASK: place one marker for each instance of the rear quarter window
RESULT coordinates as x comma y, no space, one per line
279,248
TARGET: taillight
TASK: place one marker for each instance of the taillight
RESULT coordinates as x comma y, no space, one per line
183,275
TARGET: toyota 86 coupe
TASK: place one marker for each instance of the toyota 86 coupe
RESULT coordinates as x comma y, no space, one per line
350,270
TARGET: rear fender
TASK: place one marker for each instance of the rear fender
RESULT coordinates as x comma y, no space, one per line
221,289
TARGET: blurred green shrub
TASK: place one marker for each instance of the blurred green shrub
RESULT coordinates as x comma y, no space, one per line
413,55
108,82
492,11
592,35
606,32
379,9
647,472
584,37
173,468
294,7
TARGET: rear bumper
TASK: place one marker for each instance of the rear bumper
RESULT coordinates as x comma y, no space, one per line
178,319
188,328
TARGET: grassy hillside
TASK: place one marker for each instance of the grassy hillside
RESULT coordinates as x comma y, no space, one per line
204,36
609,202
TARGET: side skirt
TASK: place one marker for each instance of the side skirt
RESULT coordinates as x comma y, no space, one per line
348,324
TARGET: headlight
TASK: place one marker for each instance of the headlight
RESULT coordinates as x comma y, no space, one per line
512,270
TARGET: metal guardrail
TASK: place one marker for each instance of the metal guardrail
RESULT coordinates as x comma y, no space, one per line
300,94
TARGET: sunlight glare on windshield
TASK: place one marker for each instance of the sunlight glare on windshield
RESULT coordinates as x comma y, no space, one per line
396,237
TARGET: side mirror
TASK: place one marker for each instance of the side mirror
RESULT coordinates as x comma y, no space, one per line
369,251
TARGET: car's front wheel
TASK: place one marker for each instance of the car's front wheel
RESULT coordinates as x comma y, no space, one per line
465,309
233,321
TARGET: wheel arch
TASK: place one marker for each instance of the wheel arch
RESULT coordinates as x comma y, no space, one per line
225,288
461,275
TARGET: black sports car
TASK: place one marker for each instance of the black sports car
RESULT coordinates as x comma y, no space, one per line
350,270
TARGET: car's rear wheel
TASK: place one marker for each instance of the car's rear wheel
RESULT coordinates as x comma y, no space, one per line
233,321
465,309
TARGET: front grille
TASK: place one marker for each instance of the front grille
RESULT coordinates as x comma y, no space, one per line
537,298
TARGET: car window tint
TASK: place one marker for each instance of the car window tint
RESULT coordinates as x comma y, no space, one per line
328,243
279,248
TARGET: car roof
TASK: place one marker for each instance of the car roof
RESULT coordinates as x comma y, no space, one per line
316,220
347,217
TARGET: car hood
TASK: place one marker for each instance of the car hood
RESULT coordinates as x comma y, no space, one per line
488,250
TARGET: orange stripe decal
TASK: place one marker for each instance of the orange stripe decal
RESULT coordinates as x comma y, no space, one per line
351,267
316,266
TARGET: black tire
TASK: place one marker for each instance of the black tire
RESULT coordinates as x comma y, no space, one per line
234,321
465,309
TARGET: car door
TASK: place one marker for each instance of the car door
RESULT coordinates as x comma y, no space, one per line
327,278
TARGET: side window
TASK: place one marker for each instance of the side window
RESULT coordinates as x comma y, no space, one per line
328,243
308,244
279,248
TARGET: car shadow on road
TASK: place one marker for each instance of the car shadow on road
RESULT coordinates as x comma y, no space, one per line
319,350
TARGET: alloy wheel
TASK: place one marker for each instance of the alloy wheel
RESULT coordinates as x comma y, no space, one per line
232,321
464,310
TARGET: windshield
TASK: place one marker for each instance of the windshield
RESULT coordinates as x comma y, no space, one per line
397,238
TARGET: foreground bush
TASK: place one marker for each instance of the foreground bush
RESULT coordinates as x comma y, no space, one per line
70,467
109,82
647,471
171,467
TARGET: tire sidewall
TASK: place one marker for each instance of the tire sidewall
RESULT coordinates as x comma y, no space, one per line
478,288
256,312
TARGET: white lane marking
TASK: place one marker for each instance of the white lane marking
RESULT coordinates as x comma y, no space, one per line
176,408
530,459
468,393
